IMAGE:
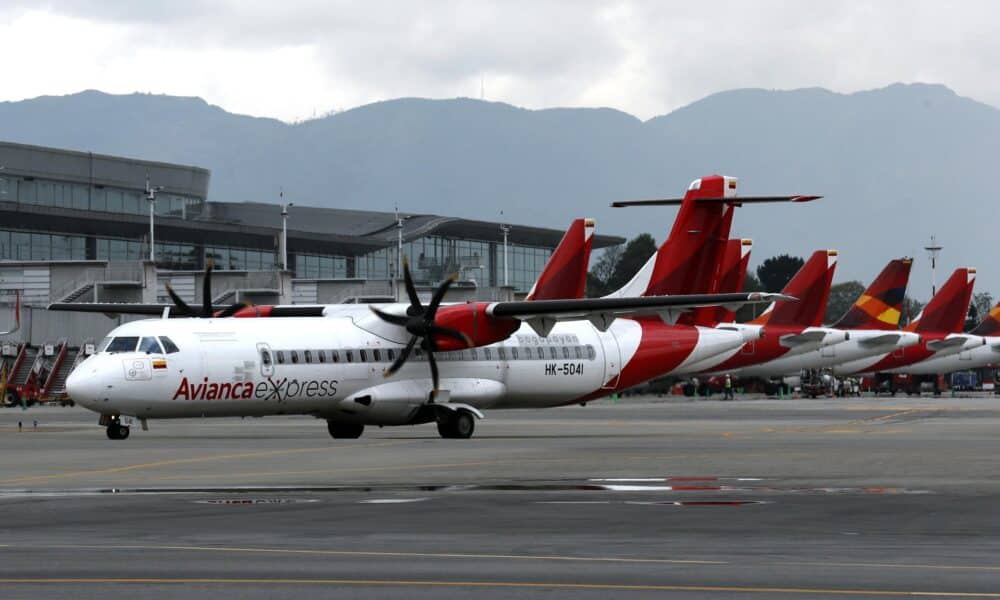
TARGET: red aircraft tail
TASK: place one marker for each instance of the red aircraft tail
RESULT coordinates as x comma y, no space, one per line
811,285
946,311
882,303
735,259
990,325
689,260
565,274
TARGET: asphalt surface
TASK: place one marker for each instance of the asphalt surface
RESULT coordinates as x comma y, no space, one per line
857,498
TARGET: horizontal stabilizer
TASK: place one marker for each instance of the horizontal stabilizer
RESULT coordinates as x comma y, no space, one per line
888,339
948,343
800,339
735,200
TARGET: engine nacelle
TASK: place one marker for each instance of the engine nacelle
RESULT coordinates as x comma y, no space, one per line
472,320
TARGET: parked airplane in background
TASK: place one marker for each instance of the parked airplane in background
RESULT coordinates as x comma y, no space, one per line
977,357
871,326
939,326
355,365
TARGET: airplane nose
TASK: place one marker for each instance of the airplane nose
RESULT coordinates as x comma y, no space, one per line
83,385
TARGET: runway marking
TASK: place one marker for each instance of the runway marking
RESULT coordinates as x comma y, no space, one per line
497,584
391,500
185,461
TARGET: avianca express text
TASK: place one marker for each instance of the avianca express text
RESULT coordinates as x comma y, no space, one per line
270,389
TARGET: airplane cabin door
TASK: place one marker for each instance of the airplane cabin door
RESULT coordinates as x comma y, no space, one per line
612,359
828,351
266,359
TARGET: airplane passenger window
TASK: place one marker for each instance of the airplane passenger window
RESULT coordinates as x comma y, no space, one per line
295,356
364,355
265,357
149,345
390,355
308,356
590,352
418,353
488,353
123,344
578,351
281,356
349,355
552,352
321,355
377,355
475,354
565,350
502,353
169,345
334,356
513,353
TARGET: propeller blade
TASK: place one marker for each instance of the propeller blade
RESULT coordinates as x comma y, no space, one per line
391,318
403,355
232,309
434,373
206,290
453,334
179,302
411,291
439,296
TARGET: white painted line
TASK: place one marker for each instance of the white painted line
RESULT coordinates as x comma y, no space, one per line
391,500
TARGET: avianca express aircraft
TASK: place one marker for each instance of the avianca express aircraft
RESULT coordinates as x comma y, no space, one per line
871,327
939,326
357,365
974,358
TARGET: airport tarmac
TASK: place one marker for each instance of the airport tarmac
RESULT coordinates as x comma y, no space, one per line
641,498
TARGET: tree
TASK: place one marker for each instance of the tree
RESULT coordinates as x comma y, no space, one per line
979,307
613,270
842,296
775,272
600,274
911,308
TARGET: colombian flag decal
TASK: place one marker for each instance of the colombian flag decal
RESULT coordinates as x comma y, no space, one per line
159,363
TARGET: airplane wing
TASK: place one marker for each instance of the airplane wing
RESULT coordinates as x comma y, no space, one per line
542,315
880,340
800,339
157,310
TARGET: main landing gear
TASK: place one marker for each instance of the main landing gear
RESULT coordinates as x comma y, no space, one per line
459,424
345,430
117,431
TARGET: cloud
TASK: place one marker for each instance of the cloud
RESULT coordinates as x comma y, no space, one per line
292,58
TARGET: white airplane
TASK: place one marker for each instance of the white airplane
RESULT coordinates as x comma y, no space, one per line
975,358
356,365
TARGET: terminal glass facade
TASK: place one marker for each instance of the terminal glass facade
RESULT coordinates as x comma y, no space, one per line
81,196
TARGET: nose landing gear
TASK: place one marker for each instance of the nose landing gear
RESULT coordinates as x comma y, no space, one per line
117,431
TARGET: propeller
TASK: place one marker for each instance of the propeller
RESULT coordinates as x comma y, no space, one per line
206,310
419,323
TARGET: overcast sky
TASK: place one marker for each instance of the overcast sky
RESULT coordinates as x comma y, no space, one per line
298,58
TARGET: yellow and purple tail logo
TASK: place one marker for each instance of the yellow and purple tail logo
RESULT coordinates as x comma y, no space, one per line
882,303
990,325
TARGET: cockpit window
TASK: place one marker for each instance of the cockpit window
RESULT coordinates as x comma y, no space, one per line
169,345
149,345
123,344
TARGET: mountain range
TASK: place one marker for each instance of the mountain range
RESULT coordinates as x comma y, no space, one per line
895,165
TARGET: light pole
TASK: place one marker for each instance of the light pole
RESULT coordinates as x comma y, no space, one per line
932,251
506,231
151,198
284,233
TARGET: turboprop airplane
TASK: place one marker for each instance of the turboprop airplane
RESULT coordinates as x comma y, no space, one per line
939,326
871,325
355,365
789,328
975,358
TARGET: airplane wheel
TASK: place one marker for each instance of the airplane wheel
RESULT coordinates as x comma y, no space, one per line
344,430
460,426
12,400
117,432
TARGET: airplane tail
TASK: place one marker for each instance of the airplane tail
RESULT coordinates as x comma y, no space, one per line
946,311
735,259
811,285
881,305
689,261
565,274
990,325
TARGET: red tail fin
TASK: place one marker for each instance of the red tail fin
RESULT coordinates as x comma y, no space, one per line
990,325
565,274
882,303
735,259
811,285
946,311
